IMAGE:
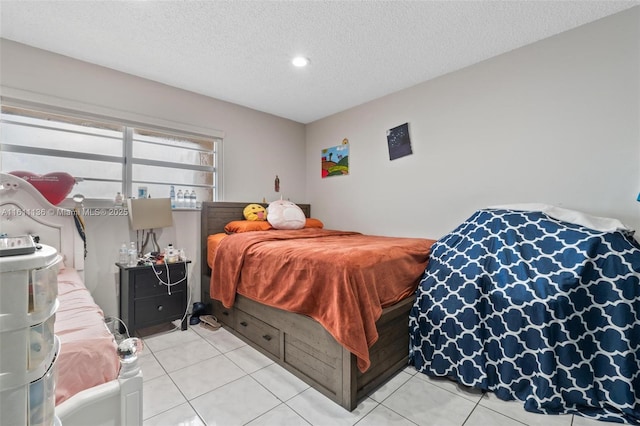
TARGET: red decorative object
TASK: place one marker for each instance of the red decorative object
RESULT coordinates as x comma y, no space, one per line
53,186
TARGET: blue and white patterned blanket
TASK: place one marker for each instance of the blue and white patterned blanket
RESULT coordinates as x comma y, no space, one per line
534,309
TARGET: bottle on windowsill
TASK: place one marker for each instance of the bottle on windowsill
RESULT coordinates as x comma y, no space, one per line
180,198
172,195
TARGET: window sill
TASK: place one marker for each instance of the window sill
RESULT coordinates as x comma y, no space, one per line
97,203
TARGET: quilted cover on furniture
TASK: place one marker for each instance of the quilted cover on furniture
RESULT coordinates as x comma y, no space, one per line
88,355
534,309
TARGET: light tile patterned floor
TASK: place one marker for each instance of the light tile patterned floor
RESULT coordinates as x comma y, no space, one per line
203,377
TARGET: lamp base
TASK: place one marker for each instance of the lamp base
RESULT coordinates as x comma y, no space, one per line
150,233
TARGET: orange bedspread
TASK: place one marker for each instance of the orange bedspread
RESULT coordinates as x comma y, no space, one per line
341,279
212,246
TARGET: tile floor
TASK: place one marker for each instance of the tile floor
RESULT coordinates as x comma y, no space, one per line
203,377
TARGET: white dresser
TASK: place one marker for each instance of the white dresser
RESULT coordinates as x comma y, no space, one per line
28,345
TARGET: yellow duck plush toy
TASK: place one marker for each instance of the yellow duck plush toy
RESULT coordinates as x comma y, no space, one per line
255,212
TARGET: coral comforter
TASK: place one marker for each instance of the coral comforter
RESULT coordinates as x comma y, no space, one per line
340,279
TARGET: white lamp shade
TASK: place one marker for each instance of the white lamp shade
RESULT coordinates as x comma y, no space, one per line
150,213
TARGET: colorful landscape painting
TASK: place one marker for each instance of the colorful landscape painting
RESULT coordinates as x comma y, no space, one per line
335,160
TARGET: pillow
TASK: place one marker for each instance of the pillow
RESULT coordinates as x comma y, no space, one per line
282,214
238,226
254,212
313,223
602,224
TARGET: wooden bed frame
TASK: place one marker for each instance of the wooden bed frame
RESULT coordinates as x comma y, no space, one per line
297,342
118,402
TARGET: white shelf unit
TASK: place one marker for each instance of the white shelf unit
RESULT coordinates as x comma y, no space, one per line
28,345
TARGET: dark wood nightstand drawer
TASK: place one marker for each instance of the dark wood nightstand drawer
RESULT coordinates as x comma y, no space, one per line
224,315
146,299
155,309
259,332
150,281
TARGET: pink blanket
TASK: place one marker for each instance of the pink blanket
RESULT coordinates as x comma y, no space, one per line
340,279
88,354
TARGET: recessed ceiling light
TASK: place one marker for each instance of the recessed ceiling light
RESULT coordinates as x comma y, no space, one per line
300,61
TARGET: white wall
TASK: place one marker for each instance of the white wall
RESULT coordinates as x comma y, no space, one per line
105,234
257,146
554,122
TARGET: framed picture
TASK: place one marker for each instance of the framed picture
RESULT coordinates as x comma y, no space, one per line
335,160
399,141
142,192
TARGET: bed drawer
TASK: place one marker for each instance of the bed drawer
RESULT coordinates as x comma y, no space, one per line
259,332
224,315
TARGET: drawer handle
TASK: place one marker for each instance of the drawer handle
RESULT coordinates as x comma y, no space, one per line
267,337
159,307
244,324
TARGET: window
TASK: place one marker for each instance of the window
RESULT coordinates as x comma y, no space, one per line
107,157
159,160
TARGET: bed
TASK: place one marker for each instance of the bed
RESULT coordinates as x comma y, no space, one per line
92,386
290,314
536,304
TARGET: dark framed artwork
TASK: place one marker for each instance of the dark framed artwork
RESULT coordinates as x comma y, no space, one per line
399,141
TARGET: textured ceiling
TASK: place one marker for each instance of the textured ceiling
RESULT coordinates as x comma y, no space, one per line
240,51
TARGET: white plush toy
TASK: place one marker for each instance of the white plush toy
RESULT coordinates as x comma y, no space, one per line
283,214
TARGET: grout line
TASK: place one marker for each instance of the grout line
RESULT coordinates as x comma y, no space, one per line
176,385
389,396
197,413
274,395
285,402
474,409
294,410
370,411
298,414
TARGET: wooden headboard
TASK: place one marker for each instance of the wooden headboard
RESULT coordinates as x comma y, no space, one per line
25,211
216,214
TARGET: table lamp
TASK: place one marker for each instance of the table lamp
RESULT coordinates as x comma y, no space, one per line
148,214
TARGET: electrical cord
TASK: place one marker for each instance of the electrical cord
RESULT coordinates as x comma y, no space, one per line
126,329
169,284
186,311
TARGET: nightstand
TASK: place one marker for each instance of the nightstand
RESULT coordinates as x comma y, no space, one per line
147,300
